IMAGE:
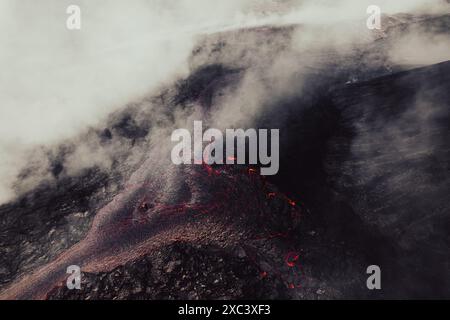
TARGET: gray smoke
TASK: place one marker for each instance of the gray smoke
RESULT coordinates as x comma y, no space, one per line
57,83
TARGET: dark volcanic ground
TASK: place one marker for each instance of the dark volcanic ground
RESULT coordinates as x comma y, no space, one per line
364,179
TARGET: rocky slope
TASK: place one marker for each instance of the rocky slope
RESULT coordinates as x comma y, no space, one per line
364,179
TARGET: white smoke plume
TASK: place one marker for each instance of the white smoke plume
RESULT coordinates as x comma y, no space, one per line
55,83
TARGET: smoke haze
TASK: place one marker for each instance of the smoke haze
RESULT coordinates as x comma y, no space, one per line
56,83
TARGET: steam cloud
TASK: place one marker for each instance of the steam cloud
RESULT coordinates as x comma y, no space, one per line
56,83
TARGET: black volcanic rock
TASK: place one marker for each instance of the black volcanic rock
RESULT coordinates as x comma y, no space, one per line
179,271
364,179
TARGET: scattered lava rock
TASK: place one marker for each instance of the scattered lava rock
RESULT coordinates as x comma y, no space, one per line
178,271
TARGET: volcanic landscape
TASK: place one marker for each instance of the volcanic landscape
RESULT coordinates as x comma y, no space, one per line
364,180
